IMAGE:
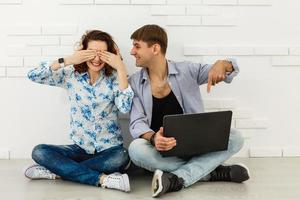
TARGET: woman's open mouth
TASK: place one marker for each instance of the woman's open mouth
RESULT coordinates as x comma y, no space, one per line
97,64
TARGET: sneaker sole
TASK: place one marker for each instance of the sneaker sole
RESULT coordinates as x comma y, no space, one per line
240,164
25,170
128,165
31,166
156,179
126,183
248,171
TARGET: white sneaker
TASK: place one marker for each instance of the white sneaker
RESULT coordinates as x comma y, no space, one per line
117,181
38,172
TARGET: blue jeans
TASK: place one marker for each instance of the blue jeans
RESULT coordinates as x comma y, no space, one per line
144,155
72,163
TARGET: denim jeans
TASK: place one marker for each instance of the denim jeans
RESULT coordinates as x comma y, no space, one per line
72,163
144,155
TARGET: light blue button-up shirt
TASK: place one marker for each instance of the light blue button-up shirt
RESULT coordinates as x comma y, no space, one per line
94,108
184,79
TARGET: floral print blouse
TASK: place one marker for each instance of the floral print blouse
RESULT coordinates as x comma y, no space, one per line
94,108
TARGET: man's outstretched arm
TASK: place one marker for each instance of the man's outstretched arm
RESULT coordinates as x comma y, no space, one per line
218,72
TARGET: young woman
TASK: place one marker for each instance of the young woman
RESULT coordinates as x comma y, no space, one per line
96,81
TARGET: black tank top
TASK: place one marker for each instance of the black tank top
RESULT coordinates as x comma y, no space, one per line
167,105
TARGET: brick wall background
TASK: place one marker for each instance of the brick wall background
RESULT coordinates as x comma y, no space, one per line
263,35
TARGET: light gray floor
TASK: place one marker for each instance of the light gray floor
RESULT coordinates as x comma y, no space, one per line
271,178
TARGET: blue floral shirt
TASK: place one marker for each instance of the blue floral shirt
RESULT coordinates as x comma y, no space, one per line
94,108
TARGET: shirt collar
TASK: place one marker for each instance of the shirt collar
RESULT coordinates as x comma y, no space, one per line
85,76
171,71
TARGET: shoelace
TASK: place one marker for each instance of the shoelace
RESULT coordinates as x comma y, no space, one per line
43,172
112,181
222,173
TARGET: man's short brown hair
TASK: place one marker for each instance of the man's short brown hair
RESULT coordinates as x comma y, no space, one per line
152,34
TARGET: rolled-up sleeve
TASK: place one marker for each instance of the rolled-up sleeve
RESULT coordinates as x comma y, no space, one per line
123,99
199,71
45,75
229,77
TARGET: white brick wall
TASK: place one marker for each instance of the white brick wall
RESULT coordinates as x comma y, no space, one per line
184,20
273,152
2,72
219,103
255,2
63,29
9,2
57,51
294,50
16,72
291,152
11,62
148,2
251,123
35,61
167,10
265,152
264,43
220,2
23,30
4,154
285,61
242,114
193,2
279,56
241,51
218,21
69,40
23,51
34,40
198,50
202,10
76,2
212,103
280,51
112,2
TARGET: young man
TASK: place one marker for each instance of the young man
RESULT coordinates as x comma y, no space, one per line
165,87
